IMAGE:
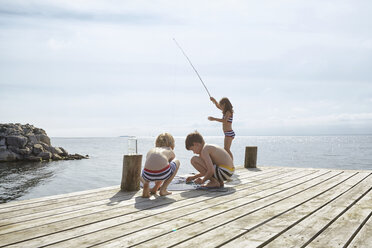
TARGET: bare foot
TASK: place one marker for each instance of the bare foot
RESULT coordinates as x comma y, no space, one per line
164,192
144,195
212,184
156,187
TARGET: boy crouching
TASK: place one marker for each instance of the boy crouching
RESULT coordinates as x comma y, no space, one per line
213,163
160,167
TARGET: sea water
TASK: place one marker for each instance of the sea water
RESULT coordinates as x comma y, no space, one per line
20,181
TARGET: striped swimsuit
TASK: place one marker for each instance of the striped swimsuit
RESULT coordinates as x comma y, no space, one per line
229,133
223,172
159,175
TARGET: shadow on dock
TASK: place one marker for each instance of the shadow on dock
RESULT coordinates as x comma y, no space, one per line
213,193
121,196
149,203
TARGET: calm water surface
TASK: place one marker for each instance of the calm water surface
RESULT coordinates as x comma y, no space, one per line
20,181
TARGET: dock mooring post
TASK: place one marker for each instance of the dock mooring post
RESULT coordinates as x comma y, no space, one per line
250,157
130,180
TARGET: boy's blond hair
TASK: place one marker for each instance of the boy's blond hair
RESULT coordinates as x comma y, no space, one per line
192,138
165,140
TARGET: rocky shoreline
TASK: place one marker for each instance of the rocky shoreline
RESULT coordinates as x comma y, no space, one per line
27,143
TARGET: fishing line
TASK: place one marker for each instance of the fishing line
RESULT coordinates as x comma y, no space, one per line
201,80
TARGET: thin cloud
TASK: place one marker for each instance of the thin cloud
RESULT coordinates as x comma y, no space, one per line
46,11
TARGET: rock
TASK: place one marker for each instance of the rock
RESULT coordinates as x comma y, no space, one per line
2,142
17,141
43,138
39,131
56,150
64,152
56,157
32,139
6,156
26,142
78,156
13,149
45,155
33,159
2,130
25,151
45,146
37,149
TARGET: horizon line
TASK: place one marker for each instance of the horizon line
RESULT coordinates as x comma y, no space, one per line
183,136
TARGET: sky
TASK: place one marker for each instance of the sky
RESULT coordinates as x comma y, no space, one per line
109,68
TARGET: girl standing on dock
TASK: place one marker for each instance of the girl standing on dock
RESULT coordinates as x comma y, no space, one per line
227,110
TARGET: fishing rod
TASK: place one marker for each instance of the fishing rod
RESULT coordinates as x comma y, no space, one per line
201,80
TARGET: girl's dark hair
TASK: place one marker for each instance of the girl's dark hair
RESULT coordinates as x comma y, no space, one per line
192,138
227,104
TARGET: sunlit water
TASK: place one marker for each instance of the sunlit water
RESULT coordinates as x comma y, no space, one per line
30,180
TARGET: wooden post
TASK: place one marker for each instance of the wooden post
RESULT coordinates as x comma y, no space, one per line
130,180
250,157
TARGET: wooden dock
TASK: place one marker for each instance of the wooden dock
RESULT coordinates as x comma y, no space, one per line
264,207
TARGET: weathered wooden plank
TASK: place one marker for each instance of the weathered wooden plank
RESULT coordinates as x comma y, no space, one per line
363,238
132,206
339,232
305,229
57,204
217,229
162,235
279,224
9,206
55,208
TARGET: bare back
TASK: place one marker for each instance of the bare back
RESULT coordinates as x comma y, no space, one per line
218,155
158,158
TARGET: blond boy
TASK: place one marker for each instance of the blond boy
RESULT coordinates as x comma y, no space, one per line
213,163
160,167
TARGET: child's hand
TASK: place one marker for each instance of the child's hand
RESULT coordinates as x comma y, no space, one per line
198,181
189,179
212,99
211,118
